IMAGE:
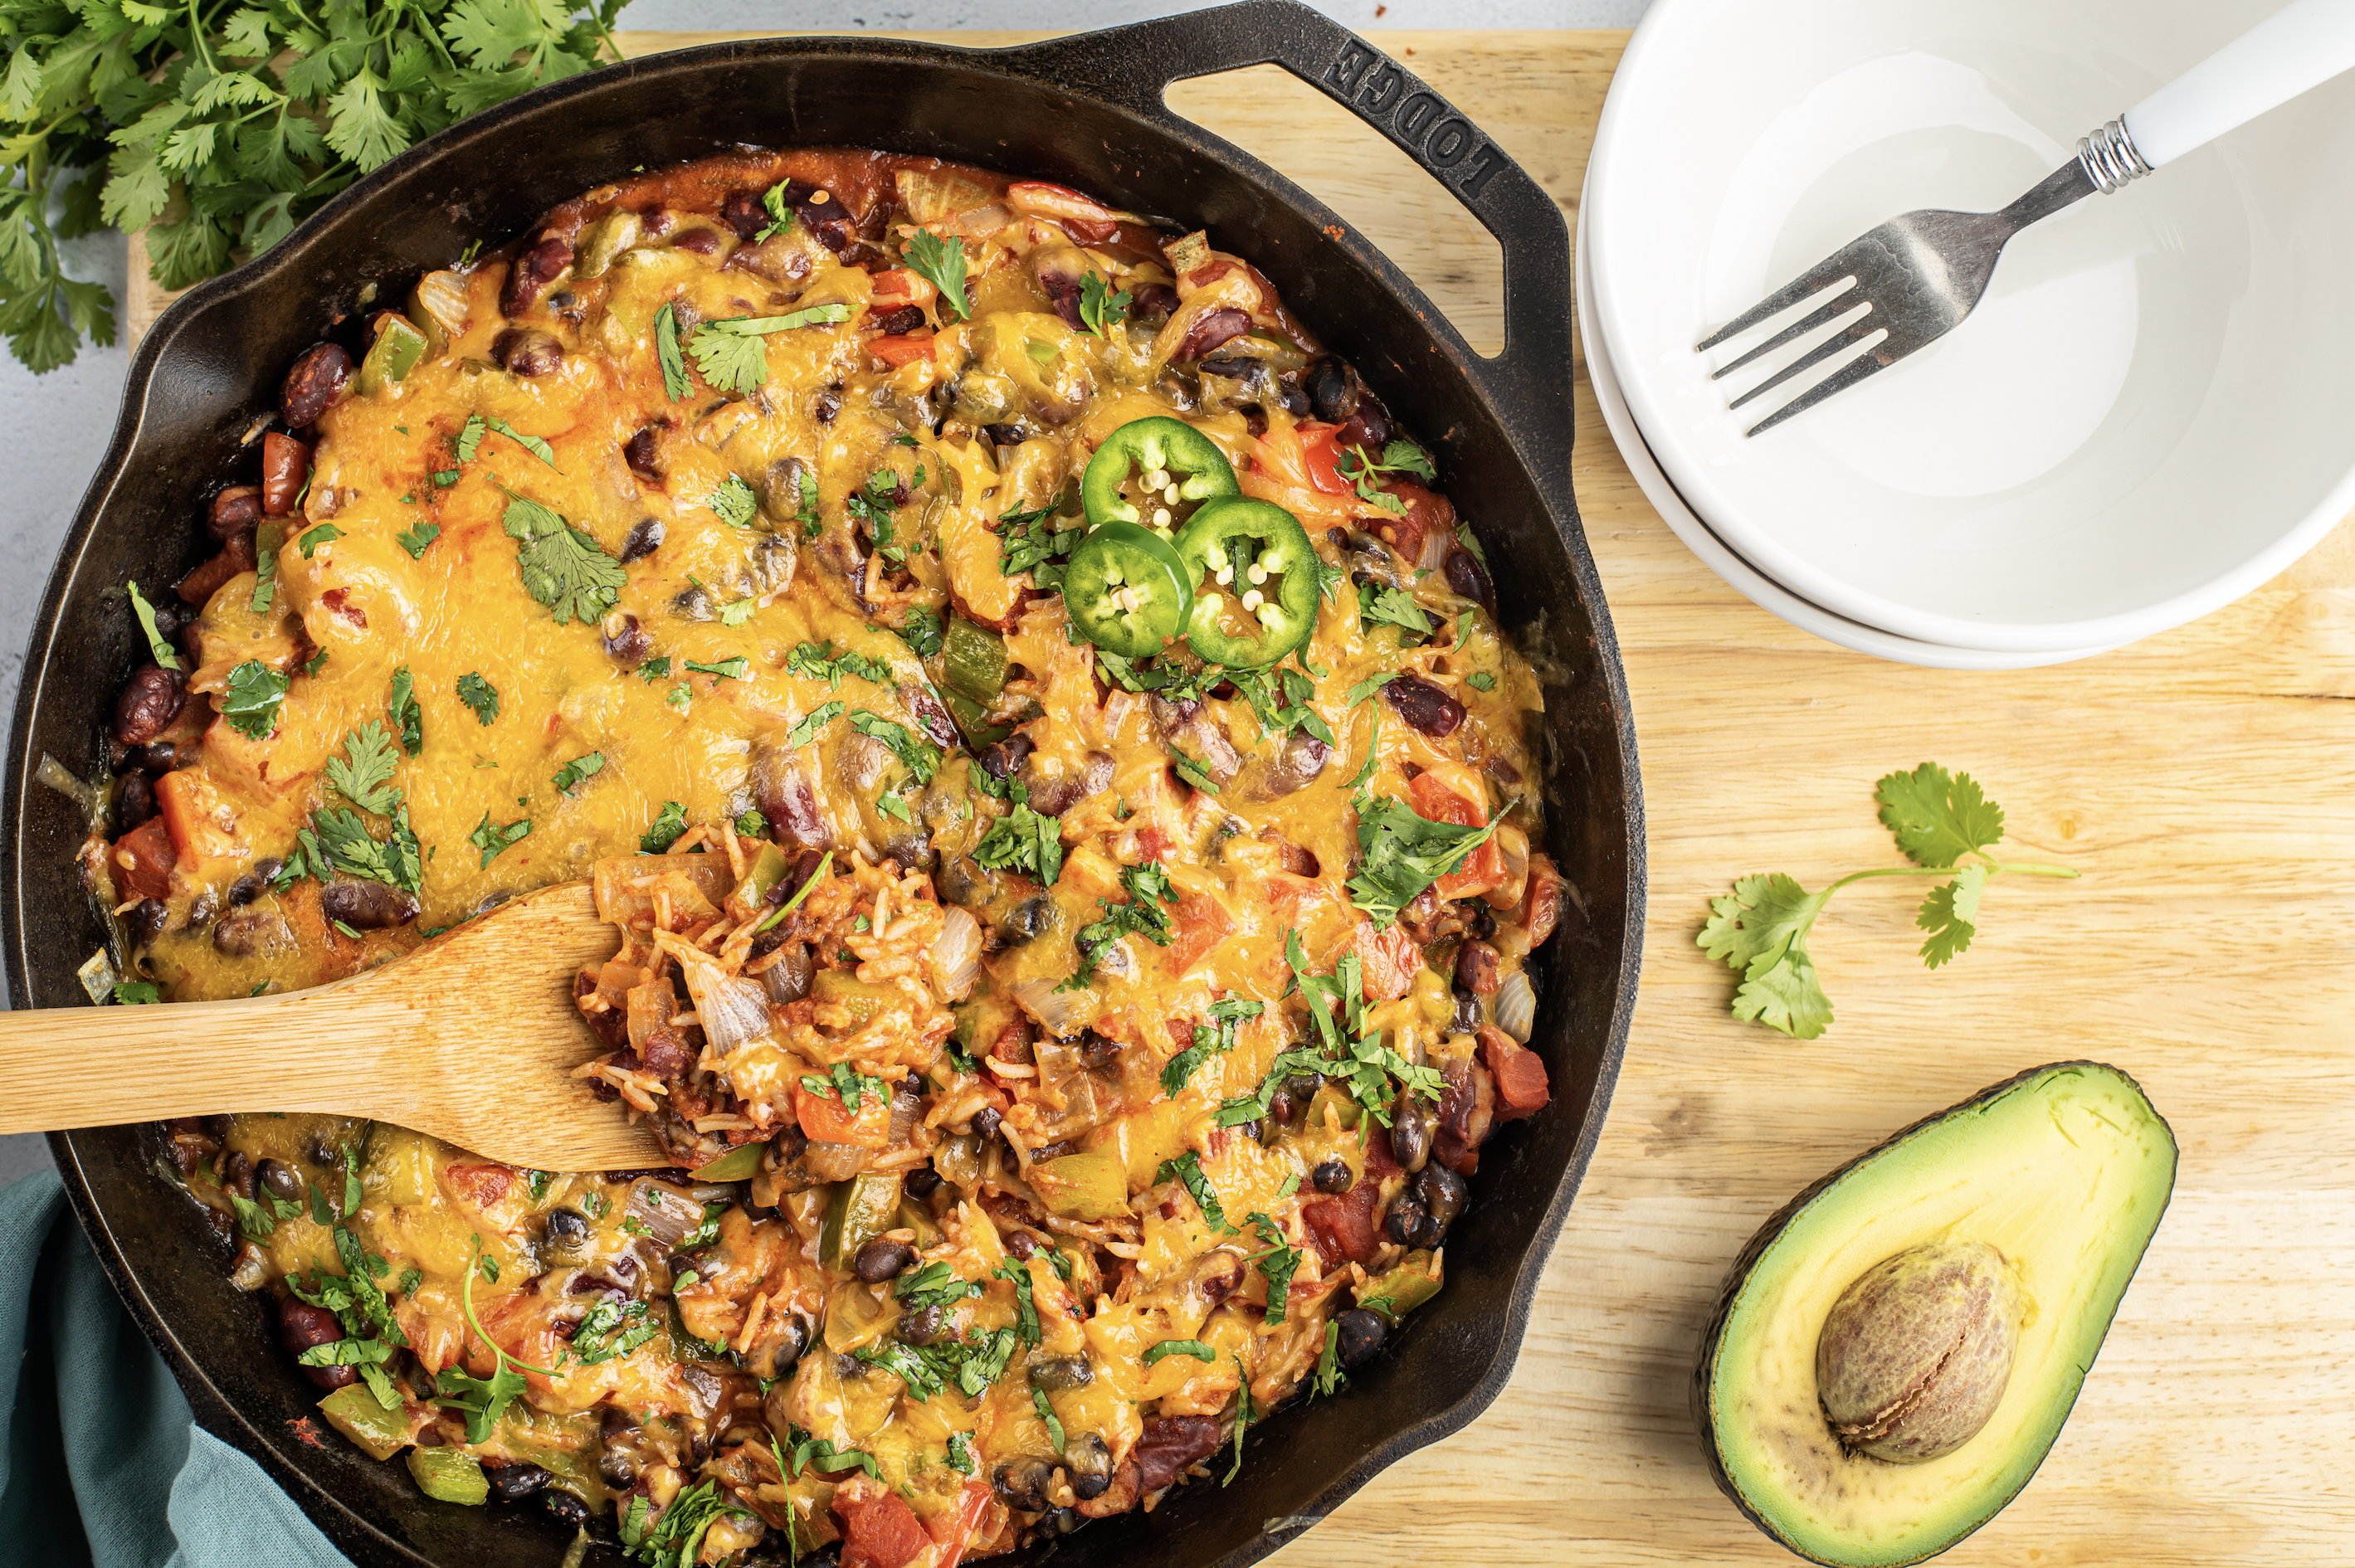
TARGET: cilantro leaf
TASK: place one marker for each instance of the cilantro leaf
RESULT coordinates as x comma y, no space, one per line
470,438
608,1331
363,775
157,648
1938,817
339,841
1187,1169
1949,913
1194,1348
480,696
1148,888
562,567
1024,841
665,830
136,992
254,695
402,709
496,840
811,725
1402,853
734,501
921,629
676,382
323,534
569,777
921,758
1390,607
942,261
414,540
732,354
819,661
1099,307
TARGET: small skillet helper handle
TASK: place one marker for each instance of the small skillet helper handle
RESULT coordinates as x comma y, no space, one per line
1529,381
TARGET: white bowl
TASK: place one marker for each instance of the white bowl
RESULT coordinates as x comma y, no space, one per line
2150,414
1744,579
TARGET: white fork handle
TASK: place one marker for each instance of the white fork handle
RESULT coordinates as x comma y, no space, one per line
2301,46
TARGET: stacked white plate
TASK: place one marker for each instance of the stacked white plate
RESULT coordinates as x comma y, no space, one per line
2150,413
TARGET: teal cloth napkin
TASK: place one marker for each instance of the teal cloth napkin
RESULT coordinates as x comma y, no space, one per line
103,1462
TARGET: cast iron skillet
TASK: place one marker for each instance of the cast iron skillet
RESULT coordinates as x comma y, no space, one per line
1085,111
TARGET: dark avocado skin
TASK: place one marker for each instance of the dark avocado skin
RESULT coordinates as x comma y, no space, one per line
1713,1333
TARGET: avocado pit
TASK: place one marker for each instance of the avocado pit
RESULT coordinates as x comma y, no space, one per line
1915,1354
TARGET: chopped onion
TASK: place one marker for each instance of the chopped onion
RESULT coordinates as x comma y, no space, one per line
1057,1013
731,1009
1516,1007
1434,550
956,952
788,979
57,775
664,1213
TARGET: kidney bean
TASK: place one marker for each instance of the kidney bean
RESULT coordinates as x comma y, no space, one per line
1424,706
367,906
905,319
237,1175
151,700
302,1326
638,451
533,271
1221,325
1467,577
528,351
1170,1444
236,510
928,713
236,555
743,213
1151,303
285,464
1003,757
317,379
1478,968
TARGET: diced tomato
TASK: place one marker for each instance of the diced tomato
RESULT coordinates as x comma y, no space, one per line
898,286
825,1120
882,1530
955,1527
1485,866
1202,923
1426,514
1321,456
1389,959
903,349
144,859
1343,1226
1084,217
1521,1089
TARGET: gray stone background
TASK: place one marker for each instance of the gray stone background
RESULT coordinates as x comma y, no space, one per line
63,419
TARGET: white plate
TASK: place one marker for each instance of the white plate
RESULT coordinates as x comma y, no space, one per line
1744,579
2151,413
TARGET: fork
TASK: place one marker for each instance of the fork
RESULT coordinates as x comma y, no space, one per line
1916,277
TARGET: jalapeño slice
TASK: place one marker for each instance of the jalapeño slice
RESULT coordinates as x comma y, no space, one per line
1258,582
1163,464
1128,591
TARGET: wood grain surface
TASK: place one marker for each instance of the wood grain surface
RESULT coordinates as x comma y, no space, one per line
2200,781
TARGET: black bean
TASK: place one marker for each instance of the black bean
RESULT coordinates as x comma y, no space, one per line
528,351
828,403
513,1483
280,1179
1004,757
159,757
316,380
904,319
638,451
1152,302
1025,920
568,1226
924,1326
1098,1050
1061,1372
1332,1176
1004,435
1442,1192
135,802
626,642
618,1467
1424,706
1021,1484
1062,1521
1468,1016
147,921
1087,1459
151,700
1414,1123
1021,1243
985,1122
568,1509
1361,1335
237,1175
882,1258
1406,1219
793,1339
693,603
1332,388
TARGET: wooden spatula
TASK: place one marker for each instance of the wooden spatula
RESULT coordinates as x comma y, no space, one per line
472,1038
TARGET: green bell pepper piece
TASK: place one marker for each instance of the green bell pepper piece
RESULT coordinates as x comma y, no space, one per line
1081,1186
859,1210
449,1476
398,347
738,1164
973,661
375,1431
1394,1295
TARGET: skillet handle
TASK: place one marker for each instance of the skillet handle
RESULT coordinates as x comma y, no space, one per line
1530,380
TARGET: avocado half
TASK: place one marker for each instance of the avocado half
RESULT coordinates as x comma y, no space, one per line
2065,1170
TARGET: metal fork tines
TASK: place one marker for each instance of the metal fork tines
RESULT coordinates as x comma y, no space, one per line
1886,294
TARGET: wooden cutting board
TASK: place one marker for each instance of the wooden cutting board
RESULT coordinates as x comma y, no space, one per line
2202,782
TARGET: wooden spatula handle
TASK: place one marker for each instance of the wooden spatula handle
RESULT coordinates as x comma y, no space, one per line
96,1066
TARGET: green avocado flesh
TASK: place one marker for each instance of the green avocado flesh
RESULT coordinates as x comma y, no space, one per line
2065,1171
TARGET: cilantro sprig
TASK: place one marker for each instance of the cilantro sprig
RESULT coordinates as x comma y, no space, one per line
1942,823
1365,472
1402,852
732,354
942,261
563,566
1149,889
1023,841
1100,308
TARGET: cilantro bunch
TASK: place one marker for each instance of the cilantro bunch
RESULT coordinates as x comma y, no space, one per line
1942,823
221,127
